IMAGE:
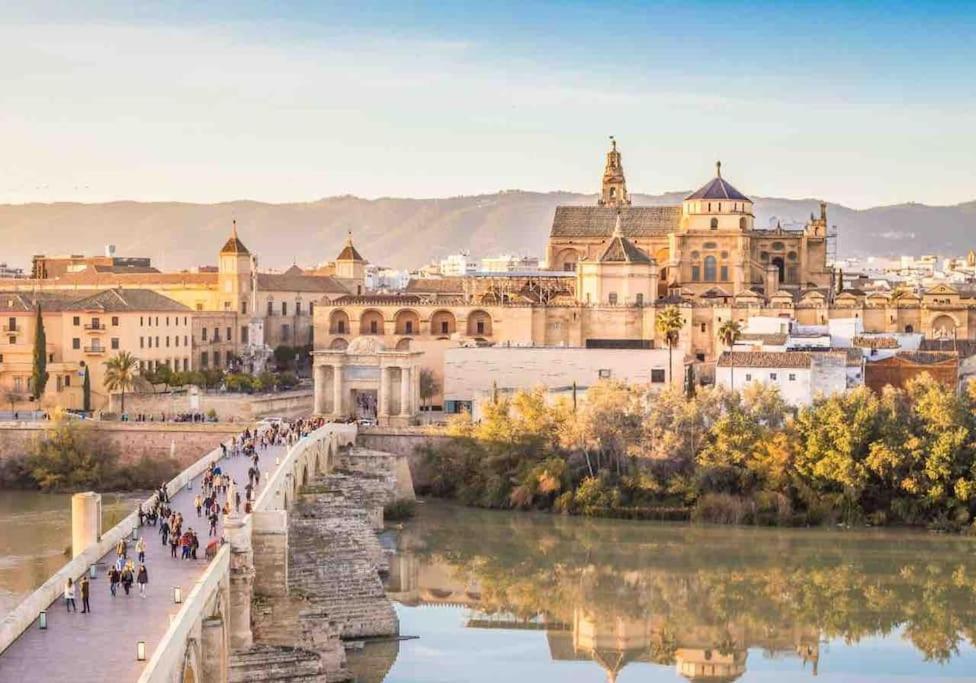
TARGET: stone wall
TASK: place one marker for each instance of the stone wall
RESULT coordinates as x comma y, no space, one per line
404,442
229,407
131,440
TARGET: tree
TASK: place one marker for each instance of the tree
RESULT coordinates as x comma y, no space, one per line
669,324
13,398
729,334
39,374
428,385
121,373
86,392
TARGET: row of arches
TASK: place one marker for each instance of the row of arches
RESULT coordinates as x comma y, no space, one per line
406,322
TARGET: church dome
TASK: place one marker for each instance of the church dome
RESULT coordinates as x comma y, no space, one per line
365,346
718,188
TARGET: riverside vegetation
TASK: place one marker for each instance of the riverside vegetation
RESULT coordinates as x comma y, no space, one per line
905,457
73,456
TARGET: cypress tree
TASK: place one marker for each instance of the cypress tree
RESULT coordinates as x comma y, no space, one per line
39,374
86,391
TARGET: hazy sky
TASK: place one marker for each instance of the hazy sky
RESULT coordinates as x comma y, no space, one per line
859,102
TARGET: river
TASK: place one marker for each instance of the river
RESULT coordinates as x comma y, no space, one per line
502,596
35,534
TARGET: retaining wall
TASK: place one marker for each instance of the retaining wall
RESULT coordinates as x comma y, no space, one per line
403,442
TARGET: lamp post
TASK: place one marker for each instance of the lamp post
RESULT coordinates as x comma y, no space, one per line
42,620
177,594
141,651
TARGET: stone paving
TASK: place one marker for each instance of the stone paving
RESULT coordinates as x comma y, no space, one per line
101,646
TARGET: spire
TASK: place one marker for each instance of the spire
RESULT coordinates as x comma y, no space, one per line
718,169
234,245
614,190
349,252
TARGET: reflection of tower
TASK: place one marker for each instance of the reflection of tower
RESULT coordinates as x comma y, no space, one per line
708,665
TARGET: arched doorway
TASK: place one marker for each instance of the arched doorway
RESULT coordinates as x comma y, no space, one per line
407,322
780,267
479,323
443,322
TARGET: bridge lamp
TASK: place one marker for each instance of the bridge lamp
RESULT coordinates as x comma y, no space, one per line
91,571
42,620
177,594
135,533
141,651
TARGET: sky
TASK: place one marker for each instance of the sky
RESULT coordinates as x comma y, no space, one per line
860,103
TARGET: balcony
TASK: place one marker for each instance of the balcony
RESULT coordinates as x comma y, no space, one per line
95,350
95,328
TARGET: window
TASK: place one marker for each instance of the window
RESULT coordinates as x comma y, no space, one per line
285,331
311,307
115,321
186,364
67,380
186,340
157,342
714,224
298,308
142,342
96,324
149,342
778,246
184,320
271,308
792,376
791,256
244,334
748,377
203,334
695,255
204,359
199,307
11,324
657,375
341,326
373,328
167,341
12,339
176,341
612,298
167,321
772,376
742,223
696,273
229,338
284,308
480,326
76,321
115,343
703,327
709,269
724,273
50,358
76,343
603,373
408,327
1,357
640,298
226,305
141,321
157,321
243,308
444,327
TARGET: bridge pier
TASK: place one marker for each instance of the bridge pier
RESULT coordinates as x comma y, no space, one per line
270,552
237,530
214,655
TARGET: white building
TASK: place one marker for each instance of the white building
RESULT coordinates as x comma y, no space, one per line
507,263
800,376
386,279
7,272
457,265
473,373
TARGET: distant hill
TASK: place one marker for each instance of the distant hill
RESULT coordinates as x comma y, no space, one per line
409,232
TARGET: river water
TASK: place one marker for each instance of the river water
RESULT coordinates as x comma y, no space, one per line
501,596
35,534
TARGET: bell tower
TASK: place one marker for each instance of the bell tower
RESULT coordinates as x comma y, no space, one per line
614,192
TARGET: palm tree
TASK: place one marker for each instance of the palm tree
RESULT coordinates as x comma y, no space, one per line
121,373
729,334
669,324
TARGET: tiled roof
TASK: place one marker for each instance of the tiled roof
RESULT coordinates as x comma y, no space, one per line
349,253
773,339
784,359
288,282
920,358
622,250
435,285
23,302
717,188
598,221
123,300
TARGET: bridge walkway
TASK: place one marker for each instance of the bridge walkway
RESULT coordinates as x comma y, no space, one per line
101,646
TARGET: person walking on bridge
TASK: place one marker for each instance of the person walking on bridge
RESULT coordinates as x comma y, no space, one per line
85,594
142,579
114,577
164,530
141,548
69,596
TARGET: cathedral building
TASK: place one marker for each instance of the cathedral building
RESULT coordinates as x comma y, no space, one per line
613,267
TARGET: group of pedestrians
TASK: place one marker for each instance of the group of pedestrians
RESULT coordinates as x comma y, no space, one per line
216,484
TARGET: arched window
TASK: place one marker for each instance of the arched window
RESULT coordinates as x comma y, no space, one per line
695,255
714,224
778,246
710,269
791,256
742,223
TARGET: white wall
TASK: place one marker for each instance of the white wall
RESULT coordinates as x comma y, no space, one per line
796,391
469,372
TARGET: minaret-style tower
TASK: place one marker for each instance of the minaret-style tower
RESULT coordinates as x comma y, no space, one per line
614,191
234,272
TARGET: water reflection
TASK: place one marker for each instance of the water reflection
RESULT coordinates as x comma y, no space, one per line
699,600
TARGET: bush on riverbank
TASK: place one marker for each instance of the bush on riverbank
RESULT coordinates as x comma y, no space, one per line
902,457
71,456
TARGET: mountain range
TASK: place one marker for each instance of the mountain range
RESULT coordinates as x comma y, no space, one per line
407,233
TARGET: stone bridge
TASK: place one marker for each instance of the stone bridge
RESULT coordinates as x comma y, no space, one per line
208,636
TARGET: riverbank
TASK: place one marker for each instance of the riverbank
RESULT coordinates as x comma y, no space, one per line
906,458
